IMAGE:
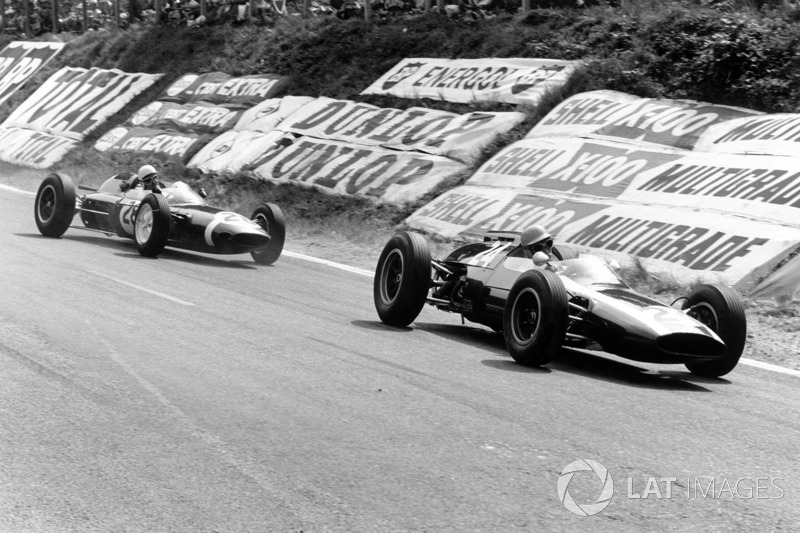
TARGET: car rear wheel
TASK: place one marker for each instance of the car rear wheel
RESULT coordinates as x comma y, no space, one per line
535,318
151,227
402,279
55,205
562,252
270,217
721,309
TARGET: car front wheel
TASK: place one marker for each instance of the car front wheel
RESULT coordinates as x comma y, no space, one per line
402,279
721,309
151,228
270,218
535,318
55,205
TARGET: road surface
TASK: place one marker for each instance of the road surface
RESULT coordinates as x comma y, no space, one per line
206,393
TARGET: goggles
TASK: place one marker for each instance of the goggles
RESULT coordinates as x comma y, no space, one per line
539,246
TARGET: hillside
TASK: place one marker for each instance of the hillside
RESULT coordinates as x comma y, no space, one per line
725,53
728,54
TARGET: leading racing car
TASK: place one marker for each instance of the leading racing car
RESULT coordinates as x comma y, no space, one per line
176,216
541,304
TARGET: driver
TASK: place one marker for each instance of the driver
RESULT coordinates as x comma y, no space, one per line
537,239
147,176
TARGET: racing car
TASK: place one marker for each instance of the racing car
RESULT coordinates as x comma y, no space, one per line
174,216
541,303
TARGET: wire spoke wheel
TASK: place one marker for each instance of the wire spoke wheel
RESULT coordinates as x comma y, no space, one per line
144,223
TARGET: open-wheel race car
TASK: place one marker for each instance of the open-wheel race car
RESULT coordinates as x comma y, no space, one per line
541,303
174,216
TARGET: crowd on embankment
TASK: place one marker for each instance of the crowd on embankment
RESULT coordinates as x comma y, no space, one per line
35,17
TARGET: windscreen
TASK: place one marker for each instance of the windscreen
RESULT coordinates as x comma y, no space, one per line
589,270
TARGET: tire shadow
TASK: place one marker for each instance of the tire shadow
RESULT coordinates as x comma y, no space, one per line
376,325
126,248
595,365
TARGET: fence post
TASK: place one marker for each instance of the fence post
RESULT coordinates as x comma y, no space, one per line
306,8
3,16
526,6
367,10
85,17
439,5
54,12
158,7
116,12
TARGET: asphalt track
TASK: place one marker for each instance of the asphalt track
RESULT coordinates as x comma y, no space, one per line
205,393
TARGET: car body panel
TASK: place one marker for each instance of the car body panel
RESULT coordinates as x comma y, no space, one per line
606,313
194,226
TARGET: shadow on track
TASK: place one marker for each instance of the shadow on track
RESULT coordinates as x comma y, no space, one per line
578,362
170,254
375,325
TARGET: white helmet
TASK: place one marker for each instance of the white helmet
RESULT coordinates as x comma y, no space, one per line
147,173
533,235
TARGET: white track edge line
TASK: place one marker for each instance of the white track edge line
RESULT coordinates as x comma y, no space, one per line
18,191
348,268
144,289
363,272
769,366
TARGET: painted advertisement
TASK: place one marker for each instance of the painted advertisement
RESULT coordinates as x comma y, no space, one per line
776,134
509,80
418,129
676,123
70,104
161,144
233,150
682,243
194,117
266,116
34,149
342,168
221,88
20,60
590,166
75,101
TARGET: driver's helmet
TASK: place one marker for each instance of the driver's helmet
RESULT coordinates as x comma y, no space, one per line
147,175
537,238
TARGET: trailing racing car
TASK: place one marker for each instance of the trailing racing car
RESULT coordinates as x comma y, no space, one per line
541,304
176,216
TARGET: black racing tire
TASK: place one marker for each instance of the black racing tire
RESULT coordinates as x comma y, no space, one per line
720,308
402,279
55,205
270,217
562,252
152,224
536,317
